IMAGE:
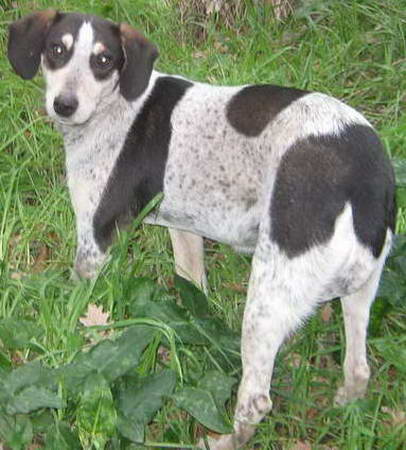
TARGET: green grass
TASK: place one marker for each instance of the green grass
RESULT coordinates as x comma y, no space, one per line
354,50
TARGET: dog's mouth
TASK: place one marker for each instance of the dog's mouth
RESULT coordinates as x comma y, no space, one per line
69,122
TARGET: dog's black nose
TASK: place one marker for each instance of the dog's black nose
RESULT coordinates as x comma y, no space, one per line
65,106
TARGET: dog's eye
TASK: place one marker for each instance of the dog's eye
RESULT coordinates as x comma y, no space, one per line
104,61
57,51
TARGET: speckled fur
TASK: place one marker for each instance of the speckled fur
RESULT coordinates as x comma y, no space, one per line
218,183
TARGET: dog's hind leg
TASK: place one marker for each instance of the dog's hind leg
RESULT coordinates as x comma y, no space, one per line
274,310
279,300
356,309
188,252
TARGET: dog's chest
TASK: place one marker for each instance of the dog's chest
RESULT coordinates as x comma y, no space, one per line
90,161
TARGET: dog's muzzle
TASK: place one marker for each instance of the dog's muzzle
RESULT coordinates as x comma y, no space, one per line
65,106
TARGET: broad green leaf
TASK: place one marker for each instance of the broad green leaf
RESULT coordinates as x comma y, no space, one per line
129,347
139,401
224,343
134,431
220,333
7,423
43,420
26,375
202,406
17,333
219,385
108,358
143,290
61,437
33,398
96,412
206,402
192,298
20,434
393,287
175,317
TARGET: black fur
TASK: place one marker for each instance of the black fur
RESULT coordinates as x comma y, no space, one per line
108,34
250,111
139,57
63,24
318,175
139,171
26,42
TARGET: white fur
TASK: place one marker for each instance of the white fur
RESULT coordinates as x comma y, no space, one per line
98,48
67,39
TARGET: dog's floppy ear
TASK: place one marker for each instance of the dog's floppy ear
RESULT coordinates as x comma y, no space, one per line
26,42
139,57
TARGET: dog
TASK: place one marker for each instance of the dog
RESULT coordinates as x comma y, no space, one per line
298,179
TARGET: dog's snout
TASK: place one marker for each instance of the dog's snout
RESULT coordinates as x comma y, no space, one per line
65,106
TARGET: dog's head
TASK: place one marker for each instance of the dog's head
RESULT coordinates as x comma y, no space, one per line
85,60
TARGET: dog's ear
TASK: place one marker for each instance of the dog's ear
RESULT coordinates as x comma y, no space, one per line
139,57
26,42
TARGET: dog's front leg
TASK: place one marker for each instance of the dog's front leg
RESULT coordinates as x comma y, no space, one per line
89,256
188,252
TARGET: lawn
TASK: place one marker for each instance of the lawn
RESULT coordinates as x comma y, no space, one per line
154,373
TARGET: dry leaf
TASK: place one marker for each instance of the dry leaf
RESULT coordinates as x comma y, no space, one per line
312,413
236,287
220,47
295,360
41,259
94,316
17,275
299,445
164,354
398,417
199,54
326,312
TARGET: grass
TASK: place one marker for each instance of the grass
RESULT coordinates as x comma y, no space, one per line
354,50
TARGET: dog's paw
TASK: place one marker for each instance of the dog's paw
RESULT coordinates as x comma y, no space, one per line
345,395
252,410
225,442
341,399
243,433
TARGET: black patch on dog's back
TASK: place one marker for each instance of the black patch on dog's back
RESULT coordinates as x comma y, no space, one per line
318,175
253,107
139,171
